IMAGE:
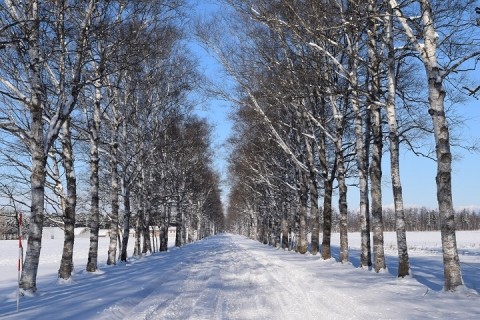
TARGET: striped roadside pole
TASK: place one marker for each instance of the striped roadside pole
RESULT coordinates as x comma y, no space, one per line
20,258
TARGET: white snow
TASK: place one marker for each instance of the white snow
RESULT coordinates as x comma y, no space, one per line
232,277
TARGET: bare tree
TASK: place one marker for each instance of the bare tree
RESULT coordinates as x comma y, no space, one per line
423,34
394,144
69,202
25,89
374,111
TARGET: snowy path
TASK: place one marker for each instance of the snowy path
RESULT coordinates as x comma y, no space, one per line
231,277
226,281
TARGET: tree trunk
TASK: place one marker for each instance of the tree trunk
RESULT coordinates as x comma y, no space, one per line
327,219
112,248
264,237
284,227
253,225
138,208
436,97
302,244
154,240
403,259
137,251
163,237
199,224
179,233
186,222
28,280
376,192
376,163
66,264
147,241
451,262
126,220
94,181
362,165
342,204
314,212
327,198
342,185
164,228
34,242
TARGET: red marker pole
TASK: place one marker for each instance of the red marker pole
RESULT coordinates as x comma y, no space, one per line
20,258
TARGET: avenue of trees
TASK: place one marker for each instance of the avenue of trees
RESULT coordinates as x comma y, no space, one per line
96,123
96,120
323,90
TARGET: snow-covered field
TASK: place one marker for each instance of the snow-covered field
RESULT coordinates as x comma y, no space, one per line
231,277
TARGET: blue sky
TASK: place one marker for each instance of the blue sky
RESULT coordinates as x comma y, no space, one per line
417,173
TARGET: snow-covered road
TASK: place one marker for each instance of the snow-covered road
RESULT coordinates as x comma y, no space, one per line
226,278
231,277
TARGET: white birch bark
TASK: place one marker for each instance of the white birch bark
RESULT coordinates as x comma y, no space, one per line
302,243
39,157
146,208
342,184
313,189
361,158
284,226
137,251
94,132
436,95
376,163
253,224
165,222
66,264
180,225
403,259
112,247
327,197
126,219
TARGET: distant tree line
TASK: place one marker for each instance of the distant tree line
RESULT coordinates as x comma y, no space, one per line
96,116
418,219
324,91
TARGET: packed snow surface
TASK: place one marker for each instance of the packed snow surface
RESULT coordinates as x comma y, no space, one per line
232,277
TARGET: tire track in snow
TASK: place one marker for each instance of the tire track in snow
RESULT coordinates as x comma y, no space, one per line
123,308
230,277
218,286
327,303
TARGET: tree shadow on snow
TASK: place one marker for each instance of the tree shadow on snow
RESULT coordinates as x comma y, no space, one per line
426,269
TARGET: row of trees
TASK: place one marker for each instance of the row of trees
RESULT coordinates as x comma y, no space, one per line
101,88
323,88
416,219
423,219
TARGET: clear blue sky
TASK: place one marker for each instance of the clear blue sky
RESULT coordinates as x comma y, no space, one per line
417,174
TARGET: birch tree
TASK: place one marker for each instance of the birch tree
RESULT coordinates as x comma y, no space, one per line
69,203
424,33
374,111
25,87
394,146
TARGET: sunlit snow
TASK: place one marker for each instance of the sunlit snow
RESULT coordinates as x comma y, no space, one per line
232,277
